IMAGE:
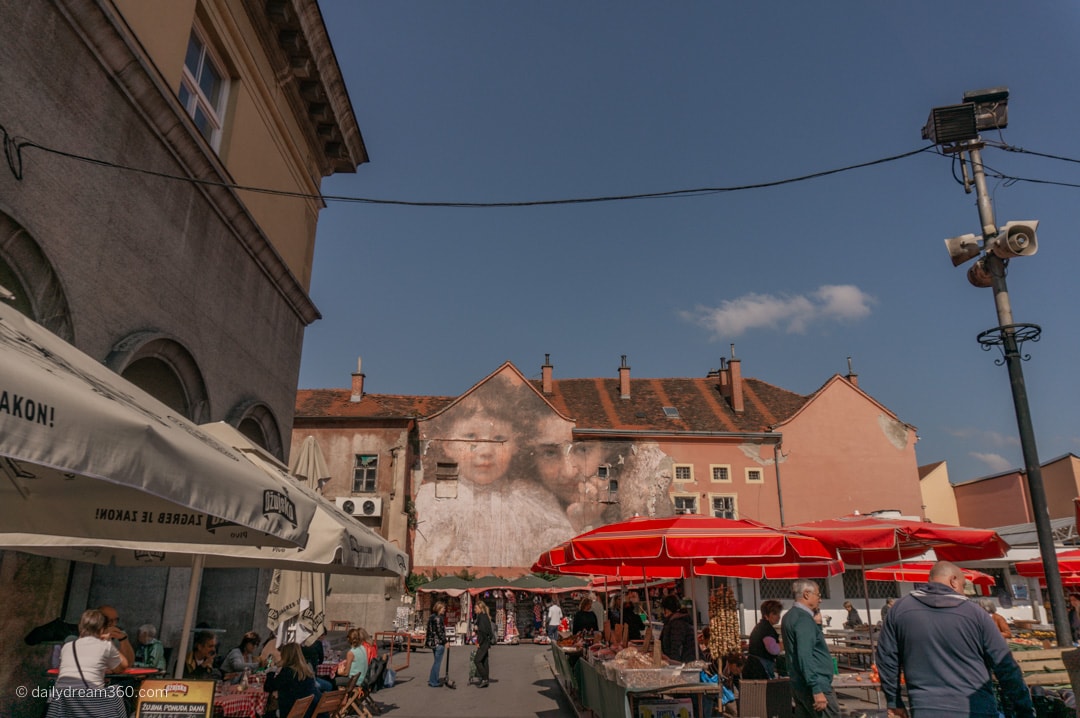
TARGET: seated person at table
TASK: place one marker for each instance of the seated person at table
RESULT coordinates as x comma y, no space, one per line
149,653
585,619
853,617
315,654
83,665
293,681
730,678
244,657
356,660
200,662
765,642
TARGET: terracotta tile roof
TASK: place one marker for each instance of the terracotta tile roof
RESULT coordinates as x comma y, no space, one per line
595,404
334,403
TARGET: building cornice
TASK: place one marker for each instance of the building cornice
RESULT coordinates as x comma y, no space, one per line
294,37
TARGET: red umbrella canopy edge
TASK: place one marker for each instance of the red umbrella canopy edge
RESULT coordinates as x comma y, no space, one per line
1068,563
872,541
919,572
691,536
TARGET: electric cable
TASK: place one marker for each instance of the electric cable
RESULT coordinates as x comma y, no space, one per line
14,146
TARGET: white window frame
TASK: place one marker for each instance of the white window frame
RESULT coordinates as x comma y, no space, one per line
215,114
712,473
675,473
691,497
734,504
760,473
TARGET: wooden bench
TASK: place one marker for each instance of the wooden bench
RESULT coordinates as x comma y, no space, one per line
1043,667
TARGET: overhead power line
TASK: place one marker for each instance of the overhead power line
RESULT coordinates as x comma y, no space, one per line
14,146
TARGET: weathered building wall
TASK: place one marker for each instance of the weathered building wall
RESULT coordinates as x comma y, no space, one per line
845,453
133,268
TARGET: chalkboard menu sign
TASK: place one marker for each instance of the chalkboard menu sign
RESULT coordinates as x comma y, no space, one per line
173,698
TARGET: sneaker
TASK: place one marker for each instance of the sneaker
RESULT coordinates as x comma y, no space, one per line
483,684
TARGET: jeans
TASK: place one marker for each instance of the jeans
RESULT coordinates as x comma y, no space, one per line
553,633
804,705
433,679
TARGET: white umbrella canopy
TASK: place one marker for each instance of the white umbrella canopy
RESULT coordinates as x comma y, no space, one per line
310,464
337,543
85,453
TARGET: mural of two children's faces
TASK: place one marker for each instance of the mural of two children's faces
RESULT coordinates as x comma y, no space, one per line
504,480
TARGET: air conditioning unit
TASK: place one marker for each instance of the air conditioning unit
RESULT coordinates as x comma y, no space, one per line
360,505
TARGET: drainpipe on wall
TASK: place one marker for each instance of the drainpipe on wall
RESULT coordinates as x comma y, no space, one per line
779,493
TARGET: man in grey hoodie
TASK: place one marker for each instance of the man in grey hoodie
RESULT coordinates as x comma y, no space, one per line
946,648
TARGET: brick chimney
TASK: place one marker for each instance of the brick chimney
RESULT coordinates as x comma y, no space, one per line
735,371
852,376
624,379
545,374
725,380
357,382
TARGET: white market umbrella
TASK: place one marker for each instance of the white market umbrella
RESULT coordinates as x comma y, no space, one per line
337,543
85,453
310,464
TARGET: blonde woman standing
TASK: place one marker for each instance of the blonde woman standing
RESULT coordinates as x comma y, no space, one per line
485,636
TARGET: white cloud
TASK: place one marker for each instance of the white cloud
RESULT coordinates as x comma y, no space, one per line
995,462
993,438
790,313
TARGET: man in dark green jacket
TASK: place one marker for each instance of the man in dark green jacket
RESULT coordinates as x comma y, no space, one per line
809,662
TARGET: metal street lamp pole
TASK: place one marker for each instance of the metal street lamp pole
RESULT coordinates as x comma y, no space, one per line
1009,337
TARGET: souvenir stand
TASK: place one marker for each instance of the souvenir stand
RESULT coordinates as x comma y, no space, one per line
452,591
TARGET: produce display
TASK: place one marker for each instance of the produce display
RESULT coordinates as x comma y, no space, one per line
723,622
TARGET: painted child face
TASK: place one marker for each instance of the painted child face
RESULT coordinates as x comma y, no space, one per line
483,447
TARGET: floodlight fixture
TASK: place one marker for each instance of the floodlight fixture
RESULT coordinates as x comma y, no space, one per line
980,110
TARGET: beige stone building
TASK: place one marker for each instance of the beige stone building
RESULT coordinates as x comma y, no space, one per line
130,128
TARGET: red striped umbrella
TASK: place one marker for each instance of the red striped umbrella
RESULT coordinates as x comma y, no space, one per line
691,545
873,541
919,572
1068,563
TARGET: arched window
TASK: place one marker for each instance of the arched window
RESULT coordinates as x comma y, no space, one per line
26,272
162,367
256,421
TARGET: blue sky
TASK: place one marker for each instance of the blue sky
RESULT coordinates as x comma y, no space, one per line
514,101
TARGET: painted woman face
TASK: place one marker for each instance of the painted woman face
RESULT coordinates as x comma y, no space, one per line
482,446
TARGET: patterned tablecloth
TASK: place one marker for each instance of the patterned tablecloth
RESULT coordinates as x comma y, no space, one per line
326,670
244,704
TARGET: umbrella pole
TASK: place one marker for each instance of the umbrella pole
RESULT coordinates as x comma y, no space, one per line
197,564
693,607
645,588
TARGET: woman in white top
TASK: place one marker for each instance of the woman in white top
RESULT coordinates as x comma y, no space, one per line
80,686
